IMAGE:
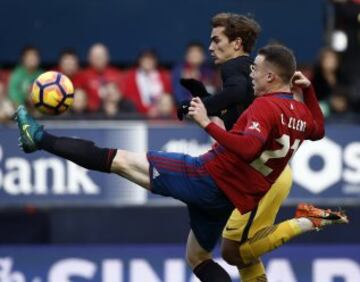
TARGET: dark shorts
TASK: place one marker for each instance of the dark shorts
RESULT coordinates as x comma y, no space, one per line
184,178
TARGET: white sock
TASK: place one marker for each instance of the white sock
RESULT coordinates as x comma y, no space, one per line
305,224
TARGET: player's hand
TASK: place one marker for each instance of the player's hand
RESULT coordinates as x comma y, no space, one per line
183,109
195,87
197,112
300,80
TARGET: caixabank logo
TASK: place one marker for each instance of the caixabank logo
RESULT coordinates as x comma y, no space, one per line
20,176
328,164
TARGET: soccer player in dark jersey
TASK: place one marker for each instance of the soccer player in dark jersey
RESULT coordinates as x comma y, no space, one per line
236,172
232,38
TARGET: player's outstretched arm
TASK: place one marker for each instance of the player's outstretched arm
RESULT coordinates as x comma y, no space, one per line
245,146
195,87
234,94
237,94
312,103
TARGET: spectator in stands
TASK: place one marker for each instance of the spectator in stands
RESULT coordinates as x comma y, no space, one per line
194,66
114,104
354,97
98,74
164,108
69,65
80,105
6,107
23,76
339,101
4,78
327,76
147,83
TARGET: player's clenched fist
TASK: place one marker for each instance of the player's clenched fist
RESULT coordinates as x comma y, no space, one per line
300,80
198,112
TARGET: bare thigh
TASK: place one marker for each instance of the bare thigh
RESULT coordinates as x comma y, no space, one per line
132,166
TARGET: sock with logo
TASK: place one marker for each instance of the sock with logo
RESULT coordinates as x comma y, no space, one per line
268,239
253,273
79,151
210,271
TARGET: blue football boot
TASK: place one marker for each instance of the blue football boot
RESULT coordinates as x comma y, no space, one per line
30,131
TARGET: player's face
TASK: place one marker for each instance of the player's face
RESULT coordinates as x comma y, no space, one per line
261,75
221,49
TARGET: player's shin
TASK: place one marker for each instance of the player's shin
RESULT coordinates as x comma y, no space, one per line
82,152
210,271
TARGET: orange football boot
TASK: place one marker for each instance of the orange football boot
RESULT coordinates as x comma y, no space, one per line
320,217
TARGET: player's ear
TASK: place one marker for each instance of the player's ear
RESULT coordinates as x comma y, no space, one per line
270,77
238,44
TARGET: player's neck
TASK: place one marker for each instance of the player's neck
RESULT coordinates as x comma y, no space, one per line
278,88
239,53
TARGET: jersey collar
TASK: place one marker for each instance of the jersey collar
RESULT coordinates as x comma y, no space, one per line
282,95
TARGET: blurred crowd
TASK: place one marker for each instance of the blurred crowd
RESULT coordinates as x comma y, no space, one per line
147,90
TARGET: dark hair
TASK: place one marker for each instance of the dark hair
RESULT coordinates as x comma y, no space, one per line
29,48
322,56
147,53
282,58
67,51
238,26
195,44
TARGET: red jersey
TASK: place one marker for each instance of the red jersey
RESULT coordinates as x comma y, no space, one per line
247,160
132,90
92,81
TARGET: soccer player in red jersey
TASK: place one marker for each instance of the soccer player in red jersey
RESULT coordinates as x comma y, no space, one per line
232,39
236,172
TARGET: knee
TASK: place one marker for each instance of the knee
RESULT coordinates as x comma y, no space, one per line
233,257
247,265
231,254
195,258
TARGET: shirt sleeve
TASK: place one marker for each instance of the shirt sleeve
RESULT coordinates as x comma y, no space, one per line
246,144
258,121
232,94
310,100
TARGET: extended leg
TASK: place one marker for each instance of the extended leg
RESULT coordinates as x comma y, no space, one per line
307,218
132,166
